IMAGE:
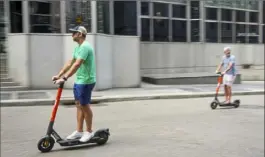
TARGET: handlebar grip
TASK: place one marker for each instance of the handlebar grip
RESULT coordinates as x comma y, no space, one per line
60,85
219,74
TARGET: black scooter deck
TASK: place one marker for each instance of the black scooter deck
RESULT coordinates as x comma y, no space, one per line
95,139
227,104
74,142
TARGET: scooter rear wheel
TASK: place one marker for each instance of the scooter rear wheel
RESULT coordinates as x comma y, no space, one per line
237,103
103,138
46,144
213,105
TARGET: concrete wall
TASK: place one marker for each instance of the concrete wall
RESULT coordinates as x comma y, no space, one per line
126,61
33,59
164,58
46,58
118,63
18,61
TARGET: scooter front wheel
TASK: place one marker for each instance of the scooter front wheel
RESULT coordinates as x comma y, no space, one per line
213,105
46,144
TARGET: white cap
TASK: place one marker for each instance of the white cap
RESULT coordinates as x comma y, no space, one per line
80,29
227,48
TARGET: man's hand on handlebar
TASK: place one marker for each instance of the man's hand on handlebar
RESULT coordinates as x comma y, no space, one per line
56,77
57,80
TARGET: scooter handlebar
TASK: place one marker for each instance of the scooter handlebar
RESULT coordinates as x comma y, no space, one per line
60,85
219,74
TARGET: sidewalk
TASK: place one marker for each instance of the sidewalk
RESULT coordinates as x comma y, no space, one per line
147,91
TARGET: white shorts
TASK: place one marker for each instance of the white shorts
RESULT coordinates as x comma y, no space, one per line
229,79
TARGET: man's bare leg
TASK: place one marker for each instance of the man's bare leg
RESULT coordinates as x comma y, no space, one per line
80,120
226,93
79,117
88,114
229,93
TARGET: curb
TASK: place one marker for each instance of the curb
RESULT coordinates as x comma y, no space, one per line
97,100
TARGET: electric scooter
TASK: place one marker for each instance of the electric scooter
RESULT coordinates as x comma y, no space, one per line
216,102
46,143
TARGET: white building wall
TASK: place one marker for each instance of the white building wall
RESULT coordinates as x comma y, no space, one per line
165,58
33,59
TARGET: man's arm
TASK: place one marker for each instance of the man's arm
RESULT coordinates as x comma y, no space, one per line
220,65
74,68
66,67
231,63
78,62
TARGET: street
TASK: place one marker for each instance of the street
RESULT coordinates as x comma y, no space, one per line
155,128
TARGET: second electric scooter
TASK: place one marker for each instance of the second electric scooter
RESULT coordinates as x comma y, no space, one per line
46,143
216,102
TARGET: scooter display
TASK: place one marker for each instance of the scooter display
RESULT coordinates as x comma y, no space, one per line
216,101
46,143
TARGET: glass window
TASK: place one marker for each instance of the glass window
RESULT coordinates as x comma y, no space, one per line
2,25
2,9
242,4
226,14
195,9
145,8
78,13
16,24
195,31
253,17
2,33
103,17
181,1
263,33
211,32
179,11
160,29
125,21
240,16
253,5
240,33
145,29
161,9
263,12
253,34
45,17
179,31
226,3
211,14
226,36
211,2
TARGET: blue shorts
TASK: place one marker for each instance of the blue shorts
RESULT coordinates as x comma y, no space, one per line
83,93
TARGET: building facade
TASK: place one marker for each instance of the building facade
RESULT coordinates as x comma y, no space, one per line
223,21
153,37
2,28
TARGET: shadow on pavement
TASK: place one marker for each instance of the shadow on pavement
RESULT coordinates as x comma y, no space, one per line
78,147
241,106
226,108
252,106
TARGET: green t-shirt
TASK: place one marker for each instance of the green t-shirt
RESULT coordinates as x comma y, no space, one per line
86,73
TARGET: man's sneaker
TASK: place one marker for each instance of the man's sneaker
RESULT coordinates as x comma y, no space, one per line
74,135
86,136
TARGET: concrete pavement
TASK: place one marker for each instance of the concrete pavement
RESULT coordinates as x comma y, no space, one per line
151,128
146,92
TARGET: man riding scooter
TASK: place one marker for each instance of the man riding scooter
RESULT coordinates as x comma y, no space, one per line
229,73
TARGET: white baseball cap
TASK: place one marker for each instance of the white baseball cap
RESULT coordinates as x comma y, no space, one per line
227,48
80,29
